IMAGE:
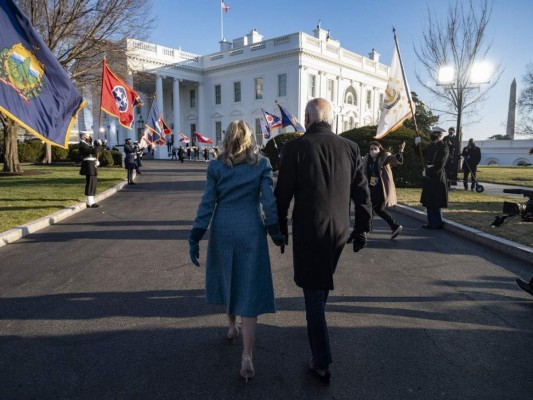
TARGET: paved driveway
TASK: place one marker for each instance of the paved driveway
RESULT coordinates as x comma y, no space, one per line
106,305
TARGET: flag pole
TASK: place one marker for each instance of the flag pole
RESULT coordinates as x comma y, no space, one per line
101,93
409,93
221,23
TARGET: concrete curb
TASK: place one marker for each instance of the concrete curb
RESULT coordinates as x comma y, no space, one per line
21,231
517,250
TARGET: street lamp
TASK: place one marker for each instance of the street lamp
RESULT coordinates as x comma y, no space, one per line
452,79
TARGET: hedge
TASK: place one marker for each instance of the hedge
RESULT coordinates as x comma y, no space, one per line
31,151
407,175
106,159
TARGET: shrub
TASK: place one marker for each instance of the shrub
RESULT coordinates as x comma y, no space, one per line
30,151
59,154
274,147
106,159
407,175
117,157
74,153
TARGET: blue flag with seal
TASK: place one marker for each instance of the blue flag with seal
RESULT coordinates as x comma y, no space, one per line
287,119
35,90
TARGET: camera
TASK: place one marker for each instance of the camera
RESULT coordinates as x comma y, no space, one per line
510,209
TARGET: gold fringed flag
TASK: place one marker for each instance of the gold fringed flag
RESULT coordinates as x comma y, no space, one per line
397,103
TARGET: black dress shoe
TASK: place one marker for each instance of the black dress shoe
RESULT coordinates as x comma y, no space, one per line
323,375
95,205
131,183
525,286
427,226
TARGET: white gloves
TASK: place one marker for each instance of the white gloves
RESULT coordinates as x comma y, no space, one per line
418,140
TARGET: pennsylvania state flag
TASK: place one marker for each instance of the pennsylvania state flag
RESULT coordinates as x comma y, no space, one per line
35,90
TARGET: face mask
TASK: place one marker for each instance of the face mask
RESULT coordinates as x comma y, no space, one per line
374,153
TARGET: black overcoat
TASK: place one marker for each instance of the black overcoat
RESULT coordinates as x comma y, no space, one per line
321,171
129,161
434,185
88,156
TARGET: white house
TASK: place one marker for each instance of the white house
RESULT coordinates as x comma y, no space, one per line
205,93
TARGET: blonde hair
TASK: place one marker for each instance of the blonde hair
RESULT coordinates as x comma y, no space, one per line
238,145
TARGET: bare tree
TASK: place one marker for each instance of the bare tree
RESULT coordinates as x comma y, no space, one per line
458,41
526,103
80,33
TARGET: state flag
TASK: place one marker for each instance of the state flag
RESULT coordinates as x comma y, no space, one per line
118,99
183,138
157,126
287,119
35,90
203,139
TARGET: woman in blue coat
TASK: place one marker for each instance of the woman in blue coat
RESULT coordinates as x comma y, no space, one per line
238,273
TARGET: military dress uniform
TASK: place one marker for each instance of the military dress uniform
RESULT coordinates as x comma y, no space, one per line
89,168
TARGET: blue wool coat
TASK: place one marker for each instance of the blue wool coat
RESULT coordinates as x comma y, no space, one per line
238,271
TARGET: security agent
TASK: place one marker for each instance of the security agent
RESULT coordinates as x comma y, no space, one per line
89,168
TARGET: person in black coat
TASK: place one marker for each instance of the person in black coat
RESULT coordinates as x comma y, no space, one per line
89,164
434,186
129,162
322,172
471,158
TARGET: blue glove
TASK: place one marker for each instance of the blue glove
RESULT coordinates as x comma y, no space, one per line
358,239
277,237
194,244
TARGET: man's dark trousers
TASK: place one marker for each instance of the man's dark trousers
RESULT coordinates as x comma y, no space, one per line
317,328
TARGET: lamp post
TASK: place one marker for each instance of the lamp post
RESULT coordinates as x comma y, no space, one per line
459,83
140,125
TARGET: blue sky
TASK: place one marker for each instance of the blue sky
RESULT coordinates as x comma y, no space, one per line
194,26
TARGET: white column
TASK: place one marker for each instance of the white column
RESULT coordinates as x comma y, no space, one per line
160,151
176,111
200,105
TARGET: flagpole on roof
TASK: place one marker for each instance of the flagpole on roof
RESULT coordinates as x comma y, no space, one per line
221,22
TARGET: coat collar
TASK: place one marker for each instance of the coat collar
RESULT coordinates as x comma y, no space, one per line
319,127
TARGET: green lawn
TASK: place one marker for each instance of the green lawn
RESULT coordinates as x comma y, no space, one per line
46,189
476,210
520,176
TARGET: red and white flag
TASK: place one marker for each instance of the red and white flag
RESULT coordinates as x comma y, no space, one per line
203,139
224,6
118,99
183,138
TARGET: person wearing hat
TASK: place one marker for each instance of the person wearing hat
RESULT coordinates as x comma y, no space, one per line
88,154
434,187
129,162
449,140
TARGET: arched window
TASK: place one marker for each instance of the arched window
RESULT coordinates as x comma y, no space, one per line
350,97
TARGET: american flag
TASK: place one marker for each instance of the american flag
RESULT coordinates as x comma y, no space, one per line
224,6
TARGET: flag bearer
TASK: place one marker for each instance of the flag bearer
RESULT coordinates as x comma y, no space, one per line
89,168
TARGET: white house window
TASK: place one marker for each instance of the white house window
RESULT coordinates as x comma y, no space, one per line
258,133
282,85
258,88
311,89
369,99
381,97
331,86
218,131
350,97
218,94
192,98
237,92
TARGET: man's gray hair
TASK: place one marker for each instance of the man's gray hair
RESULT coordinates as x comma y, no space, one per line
319,110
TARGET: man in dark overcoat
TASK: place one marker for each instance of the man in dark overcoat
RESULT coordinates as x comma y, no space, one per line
88,154
322,172
471,158
434,186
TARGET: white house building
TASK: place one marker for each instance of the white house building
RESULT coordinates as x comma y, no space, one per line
205,93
